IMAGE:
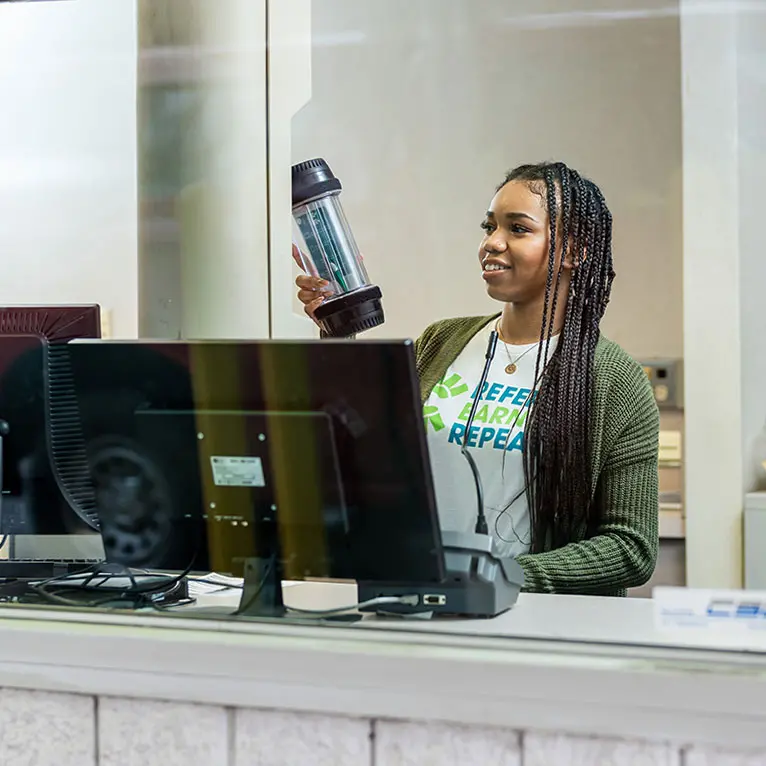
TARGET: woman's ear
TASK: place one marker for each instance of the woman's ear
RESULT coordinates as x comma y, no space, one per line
572,259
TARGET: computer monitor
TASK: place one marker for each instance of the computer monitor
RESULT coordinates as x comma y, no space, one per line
219,452
36,414
268,459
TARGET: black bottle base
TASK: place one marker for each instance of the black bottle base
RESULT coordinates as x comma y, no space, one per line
351,313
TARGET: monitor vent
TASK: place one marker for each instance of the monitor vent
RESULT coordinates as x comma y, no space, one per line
52,323
66,443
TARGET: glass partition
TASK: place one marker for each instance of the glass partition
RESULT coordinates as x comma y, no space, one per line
574,186
202,164
422,108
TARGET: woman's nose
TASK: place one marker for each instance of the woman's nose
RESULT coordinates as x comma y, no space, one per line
495,244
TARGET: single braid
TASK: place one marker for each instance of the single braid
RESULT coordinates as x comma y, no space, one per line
557,466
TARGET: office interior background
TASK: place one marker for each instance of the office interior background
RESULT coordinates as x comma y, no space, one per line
144,165
145,153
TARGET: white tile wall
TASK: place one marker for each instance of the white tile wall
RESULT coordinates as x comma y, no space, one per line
53,729
400,743
272,738
149,733
561,750
46,729
704,757
68,156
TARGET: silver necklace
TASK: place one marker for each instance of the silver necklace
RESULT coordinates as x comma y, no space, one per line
512,365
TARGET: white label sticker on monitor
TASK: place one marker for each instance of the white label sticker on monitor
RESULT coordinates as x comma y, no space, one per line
237,471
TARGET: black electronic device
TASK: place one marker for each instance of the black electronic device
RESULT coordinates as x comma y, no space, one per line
277,460
480,581
292,459
40,494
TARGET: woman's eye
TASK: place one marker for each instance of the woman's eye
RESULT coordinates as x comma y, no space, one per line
487,226
516,229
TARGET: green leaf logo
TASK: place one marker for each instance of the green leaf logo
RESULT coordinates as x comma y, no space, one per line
451,386
431,416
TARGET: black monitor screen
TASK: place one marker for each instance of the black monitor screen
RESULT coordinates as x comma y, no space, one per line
233,445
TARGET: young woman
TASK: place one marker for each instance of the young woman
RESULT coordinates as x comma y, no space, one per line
566,434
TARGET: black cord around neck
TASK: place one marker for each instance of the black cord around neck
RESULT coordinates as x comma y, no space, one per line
481,519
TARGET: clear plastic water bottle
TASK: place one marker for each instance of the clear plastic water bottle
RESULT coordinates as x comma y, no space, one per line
330,252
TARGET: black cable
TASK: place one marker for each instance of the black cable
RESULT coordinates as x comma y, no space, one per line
141,594
61,601
481,518
188,601
133,599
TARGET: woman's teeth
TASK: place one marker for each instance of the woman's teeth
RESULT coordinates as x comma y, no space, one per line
495,267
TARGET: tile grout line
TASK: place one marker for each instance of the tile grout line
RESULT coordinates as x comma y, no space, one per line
373,740
231,735
96,732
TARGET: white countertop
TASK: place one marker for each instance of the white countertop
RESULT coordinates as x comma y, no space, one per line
508,671
588,619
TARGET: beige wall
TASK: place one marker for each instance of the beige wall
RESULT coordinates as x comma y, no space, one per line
68,156
202,168
421,107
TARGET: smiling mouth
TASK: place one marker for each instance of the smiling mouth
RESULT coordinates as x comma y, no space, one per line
492,271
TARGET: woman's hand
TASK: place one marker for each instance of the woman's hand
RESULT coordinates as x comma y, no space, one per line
312,290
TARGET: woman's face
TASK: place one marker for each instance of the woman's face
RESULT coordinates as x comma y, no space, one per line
514,250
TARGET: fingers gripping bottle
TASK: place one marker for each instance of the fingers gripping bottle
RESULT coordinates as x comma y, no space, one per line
355,304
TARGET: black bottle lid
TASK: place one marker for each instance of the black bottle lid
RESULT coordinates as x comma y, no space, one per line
312,179
351,313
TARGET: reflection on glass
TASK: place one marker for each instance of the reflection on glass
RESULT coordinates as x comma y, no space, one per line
420,164
422,111
202,123
422,107
224,456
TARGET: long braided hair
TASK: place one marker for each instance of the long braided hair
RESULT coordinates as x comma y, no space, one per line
556,456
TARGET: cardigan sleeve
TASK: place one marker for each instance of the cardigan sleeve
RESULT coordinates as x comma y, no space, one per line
623,551
421,345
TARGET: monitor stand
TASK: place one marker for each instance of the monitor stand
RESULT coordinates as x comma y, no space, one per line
261,593
478,583
262,597
262,588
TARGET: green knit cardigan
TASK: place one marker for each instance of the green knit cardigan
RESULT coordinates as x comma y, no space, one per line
624,456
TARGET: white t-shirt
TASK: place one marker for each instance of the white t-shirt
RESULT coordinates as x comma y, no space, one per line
495,440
